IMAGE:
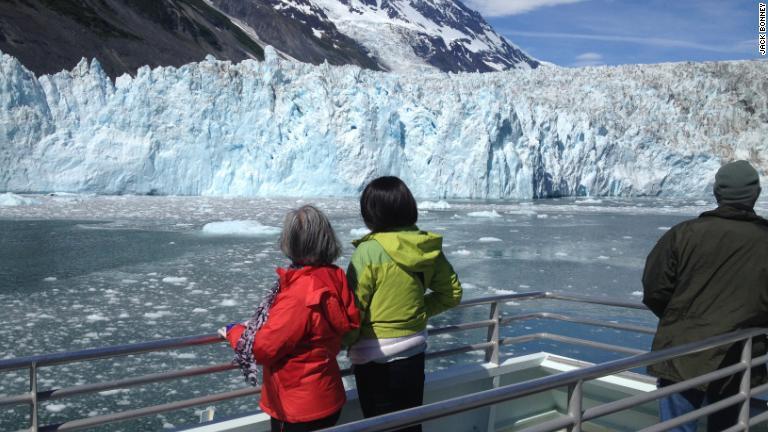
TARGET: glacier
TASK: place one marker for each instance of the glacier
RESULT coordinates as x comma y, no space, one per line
283,128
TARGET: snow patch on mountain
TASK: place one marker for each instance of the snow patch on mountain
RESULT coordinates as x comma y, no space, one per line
408,36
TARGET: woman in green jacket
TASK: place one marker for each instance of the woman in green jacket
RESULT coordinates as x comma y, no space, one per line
390,272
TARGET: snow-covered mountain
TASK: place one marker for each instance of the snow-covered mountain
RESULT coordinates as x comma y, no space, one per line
400,35
397,35
285,128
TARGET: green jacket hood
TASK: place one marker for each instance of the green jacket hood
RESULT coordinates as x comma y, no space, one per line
413,249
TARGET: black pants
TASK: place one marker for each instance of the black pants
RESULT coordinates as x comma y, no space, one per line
393,386
325,422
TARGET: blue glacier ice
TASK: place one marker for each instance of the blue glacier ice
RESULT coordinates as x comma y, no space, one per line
282,128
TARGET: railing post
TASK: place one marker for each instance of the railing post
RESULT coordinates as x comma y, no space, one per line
575,411
492,354
746,383
33,392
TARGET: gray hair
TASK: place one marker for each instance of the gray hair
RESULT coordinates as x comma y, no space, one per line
308,237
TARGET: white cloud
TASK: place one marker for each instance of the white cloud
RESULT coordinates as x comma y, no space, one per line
513,7
653,41
589,59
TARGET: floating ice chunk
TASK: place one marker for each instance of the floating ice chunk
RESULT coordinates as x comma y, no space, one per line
359,232
49,279
484,214
432,205
249,228
627,237
461,252
589,201
9,199
199,310
664,228
96,317
523,286
603,257
542,216
228,303
175,280
561,254
113,392
158,314
637,293
488,239
504,291
54,408
183,356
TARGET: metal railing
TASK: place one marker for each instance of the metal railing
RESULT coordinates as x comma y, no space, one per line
491,345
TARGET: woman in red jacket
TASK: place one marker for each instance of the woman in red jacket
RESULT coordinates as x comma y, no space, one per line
295,334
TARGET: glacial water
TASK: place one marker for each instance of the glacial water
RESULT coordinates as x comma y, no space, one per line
80,272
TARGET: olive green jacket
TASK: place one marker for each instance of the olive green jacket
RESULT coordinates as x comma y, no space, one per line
705,277
390,273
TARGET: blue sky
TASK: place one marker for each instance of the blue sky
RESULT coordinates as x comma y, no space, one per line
595,32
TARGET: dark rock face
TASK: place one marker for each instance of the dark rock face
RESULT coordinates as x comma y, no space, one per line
291,30
50,35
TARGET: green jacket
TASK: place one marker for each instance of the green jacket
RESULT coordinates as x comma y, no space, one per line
705,277
390,272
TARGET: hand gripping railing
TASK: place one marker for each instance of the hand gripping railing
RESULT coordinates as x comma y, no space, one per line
490,345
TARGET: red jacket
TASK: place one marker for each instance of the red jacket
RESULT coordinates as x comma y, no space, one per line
298,344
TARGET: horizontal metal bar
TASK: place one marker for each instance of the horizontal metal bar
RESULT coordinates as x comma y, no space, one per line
143,412
461,327
551,425
129,382
755,420
459,350
735,428
622,404
762,388
501,298
758,360
575,341
16,399
113,351
587,321
696,414
590,300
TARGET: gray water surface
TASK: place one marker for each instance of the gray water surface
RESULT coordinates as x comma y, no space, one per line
98,271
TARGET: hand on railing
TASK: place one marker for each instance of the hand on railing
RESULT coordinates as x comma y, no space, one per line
224,330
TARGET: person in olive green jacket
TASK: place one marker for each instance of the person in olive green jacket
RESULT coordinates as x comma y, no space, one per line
400,278
709,276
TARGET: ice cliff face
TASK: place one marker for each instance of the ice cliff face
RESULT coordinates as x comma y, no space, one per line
286,128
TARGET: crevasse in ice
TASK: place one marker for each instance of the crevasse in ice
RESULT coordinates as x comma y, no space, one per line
281,128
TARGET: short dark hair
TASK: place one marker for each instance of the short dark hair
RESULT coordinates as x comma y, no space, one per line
308,237
386,204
